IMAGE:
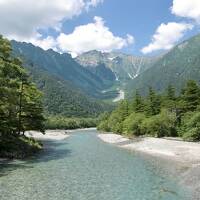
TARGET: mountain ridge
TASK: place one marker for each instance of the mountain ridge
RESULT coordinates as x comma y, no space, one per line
176,67
61,97
124,66
63,66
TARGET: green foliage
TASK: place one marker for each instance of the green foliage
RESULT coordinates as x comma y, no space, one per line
104,116
60,122
20,102
103,126
190,129
132,124
123,109
160,125
153,103
61,98
138,103
156,115
171,93
115,122
170,102
32,109
191,96
103,122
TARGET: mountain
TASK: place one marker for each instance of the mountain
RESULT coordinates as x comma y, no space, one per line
61,97
66,68
176,67
70,85
125,67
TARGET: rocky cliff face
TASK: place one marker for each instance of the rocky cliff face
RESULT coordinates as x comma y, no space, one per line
125,67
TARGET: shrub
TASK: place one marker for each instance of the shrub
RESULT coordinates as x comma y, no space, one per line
191,126
132,125
192,135
103,126
162,125
115,122
117,128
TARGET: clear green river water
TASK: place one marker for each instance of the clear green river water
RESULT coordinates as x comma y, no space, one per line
84,168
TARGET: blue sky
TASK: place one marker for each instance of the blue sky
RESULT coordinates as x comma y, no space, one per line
139,18
132,26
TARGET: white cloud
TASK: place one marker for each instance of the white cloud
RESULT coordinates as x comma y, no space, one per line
47,43
130,39
166,36
187,8
93,3
92,36
21,19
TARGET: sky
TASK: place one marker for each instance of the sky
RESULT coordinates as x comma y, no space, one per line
138,27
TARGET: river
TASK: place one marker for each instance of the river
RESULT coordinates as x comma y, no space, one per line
82,167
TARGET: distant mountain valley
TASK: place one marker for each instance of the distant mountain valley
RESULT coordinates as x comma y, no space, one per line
95,80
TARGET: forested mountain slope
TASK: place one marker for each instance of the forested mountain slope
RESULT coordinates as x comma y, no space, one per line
62,98
64,67
180,64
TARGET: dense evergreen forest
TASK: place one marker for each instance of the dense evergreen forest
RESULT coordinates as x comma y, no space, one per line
158,115
21,106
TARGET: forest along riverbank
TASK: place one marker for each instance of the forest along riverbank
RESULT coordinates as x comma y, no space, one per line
185,155
83,167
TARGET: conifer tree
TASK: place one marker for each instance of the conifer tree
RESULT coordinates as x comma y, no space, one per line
138,104
123,109
169,99
153,103
191,96
32,109
20,101
171,93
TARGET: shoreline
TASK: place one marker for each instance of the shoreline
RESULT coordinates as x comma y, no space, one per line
49,135
177,150
81,129
181,159
56,134
29,144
